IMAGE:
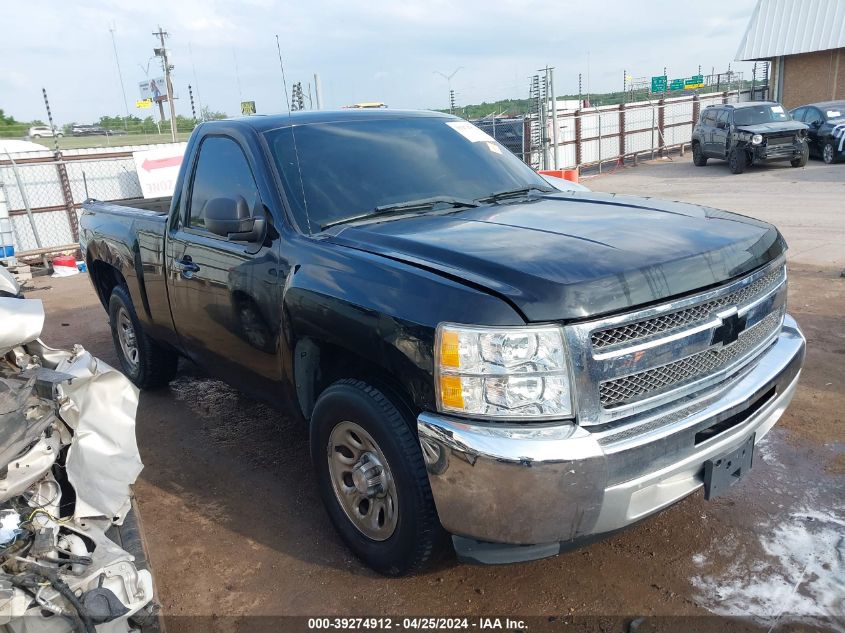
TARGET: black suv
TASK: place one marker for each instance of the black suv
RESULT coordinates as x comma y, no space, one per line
745,133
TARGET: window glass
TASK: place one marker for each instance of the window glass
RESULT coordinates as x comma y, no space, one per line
756,115
814,115
345,169
709,117
798,114
723,116
222,171
835,111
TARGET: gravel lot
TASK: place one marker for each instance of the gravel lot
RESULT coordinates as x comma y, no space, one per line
235,528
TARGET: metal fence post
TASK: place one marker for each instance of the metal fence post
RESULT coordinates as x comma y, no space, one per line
67,195
696,109
578,154
622,132
661,121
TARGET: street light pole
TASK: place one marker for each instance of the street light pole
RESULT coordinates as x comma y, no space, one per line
448,79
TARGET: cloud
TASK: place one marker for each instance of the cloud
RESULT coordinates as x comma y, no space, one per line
375,51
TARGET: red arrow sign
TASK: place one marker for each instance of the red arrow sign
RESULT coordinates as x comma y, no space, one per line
160,163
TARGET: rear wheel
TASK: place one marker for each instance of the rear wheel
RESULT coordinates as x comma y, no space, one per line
737,160
801,160
372,478
698,157
144,362
828,153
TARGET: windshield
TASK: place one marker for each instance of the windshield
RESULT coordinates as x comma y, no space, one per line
351,168
754,115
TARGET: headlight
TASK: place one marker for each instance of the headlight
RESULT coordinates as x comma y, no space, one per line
502,372
757,139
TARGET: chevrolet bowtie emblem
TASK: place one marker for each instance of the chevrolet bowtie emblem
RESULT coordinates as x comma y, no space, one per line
728,332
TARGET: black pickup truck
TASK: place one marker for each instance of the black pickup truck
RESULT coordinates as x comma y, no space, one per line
476,353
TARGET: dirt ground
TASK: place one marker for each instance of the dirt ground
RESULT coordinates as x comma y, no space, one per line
235,528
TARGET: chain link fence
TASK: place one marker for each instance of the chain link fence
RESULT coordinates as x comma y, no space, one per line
41,194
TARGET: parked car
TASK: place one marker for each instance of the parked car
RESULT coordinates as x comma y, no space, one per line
39,131
88,130
747,133
826,133
474,352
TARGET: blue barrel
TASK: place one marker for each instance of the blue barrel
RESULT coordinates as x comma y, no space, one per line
7,239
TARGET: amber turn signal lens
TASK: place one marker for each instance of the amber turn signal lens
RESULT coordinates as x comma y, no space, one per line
451,392
449,356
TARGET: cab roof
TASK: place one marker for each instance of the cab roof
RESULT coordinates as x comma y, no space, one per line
265,122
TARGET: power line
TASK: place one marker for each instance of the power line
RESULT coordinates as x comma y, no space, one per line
120,77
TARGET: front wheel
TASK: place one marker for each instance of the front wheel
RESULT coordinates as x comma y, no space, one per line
698,157
144,362
829,153
802,159
372,478
737,161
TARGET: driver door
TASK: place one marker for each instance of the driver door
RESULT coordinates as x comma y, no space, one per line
224,295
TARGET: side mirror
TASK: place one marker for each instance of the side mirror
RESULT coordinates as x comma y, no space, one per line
230,218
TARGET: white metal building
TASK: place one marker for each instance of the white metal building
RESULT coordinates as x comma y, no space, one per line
805,42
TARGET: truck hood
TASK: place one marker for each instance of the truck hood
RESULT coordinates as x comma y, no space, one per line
575,255
773,128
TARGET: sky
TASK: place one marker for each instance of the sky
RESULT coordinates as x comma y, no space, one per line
373,50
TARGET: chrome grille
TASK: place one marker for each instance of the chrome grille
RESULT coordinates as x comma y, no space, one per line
631,366
666,323
614,393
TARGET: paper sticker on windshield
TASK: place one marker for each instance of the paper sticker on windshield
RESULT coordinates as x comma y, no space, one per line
469,131
493,147
833,114
778,109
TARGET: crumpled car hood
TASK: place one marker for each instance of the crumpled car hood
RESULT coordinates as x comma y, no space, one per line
66,419
774,127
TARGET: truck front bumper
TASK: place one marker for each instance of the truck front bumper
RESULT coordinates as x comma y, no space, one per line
520,492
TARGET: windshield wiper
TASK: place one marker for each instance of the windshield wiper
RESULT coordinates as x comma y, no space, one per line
422,204
511,193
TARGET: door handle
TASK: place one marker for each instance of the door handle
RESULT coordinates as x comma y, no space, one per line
185,266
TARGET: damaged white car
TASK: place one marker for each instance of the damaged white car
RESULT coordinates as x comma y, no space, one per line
71,556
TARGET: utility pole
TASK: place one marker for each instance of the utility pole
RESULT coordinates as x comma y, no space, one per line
165,64
120,77
551,74
318,99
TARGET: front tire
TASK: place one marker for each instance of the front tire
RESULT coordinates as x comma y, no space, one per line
372,478
737,161
142,360
801,161
698,157
829,153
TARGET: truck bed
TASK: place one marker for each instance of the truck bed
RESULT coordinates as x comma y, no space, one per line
158,206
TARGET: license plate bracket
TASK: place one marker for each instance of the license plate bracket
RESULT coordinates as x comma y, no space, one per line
720,473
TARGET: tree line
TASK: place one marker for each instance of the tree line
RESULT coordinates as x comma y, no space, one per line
12,128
